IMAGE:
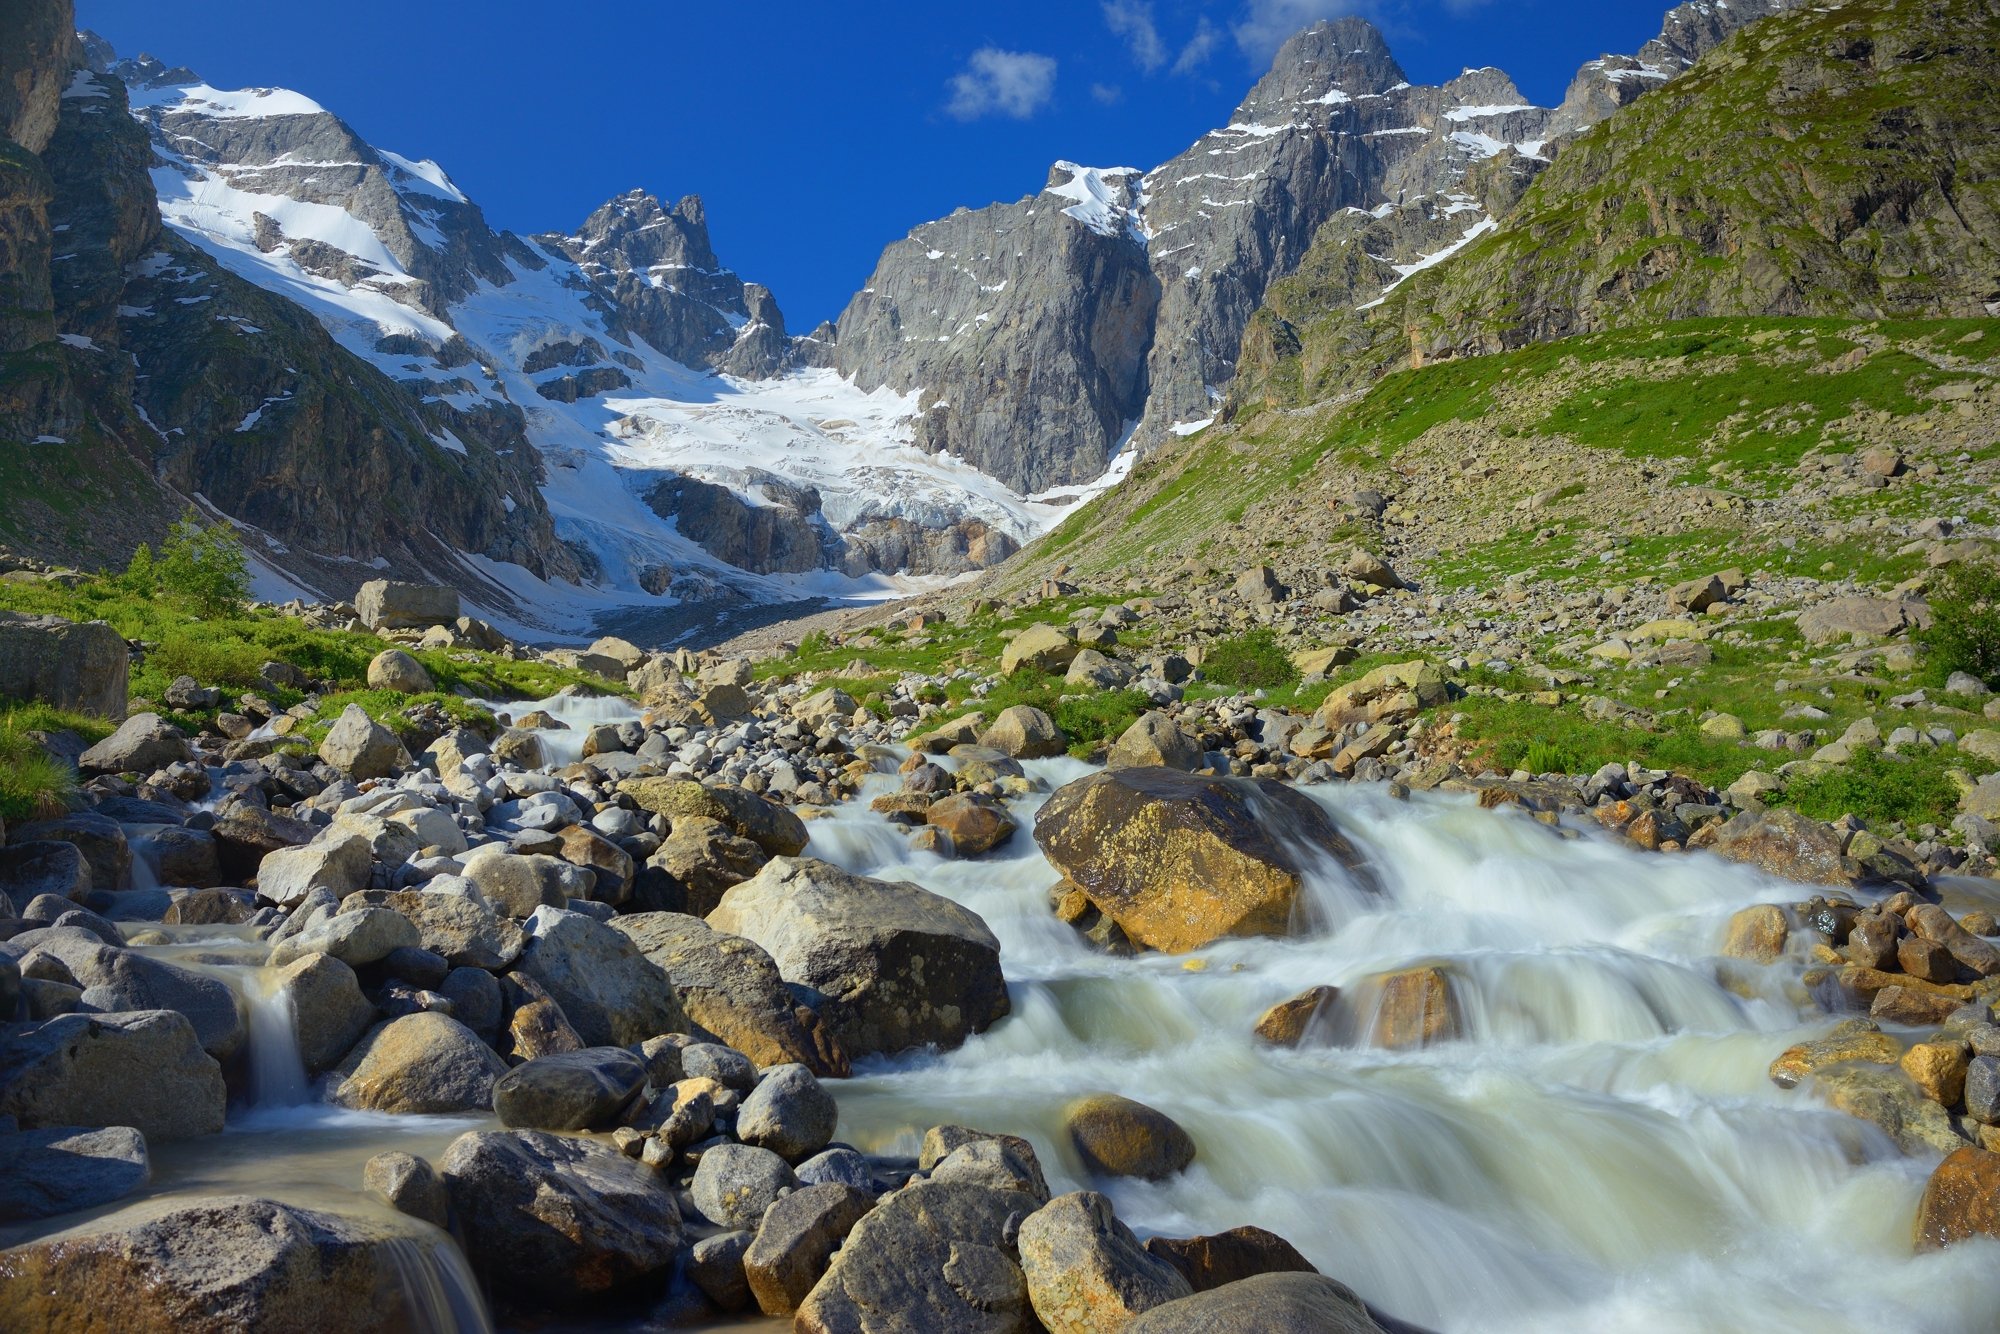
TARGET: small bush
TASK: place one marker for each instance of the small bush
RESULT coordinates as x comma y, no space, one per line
1089,719
1878,789
1545,757
202,568
1965,631
33,784
1252,661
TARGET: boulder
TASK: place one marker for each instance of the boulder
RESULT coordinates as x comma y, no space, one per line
1266,1304
770,826
1154,741
1934,924
1118,1137
245,834
1178,861
78,668
735,1183
974,824
1851,1041
887,966
101,840
845,1166
329,1013
144,1069
1038,648
360,747
1790,846
555,1218
1086,1272
409,1185
796,1240
422,1062
611,864
1867,617
1229,1257
341,863
715,1265
143,743
517,884
1961,1200
223,1265
695,866
1290,1022
385,605
460,929
575,1090
789,1113
1757,934
43,866
611,992
357,936
115,980
393,669
1001,1162
1025,733
1413,1007
54,1171
933,1256
1396,692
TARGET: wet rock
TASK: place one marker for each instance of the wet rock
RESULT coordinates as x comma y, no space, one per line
1266,1304
1853,1040
1086,1272
1906,1005
1961,1200
1885,1098
1154,741
887,966
29,869
145,1070
356,937
423,1062
1790,846
245,834
789,1113
1938,1070
796,1240
329,1013
1290,1022
215,1266
54,1171
1024,732
1118,1137
1757,933
715,1265
735,1183
1179,861
340,863
975,824
119,980
360,747
730,987
610,992
409,1185
556,1218
933,1256
144,742
578,1090
1414,1007
1229,1257
1933,923
770,826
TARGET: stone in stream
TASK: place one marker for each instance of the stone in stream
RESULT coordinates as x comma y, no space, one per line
340,863
245,834
424,1062
117,980
715,1265
144,1069
795,1241
1086,1272
460,928
1414,1007
1290,1022
1119,1137
1791,846
101,840
329,1013
1178,861
975,824
143,743
1757,933
1851,1041
218,1266
840,1165
730,987
1961,1200
725,1065
1266,1304
54,1171
735,1183
409,1185
29,869
555,1218
933,1256
1005,1163
609,991
355,936
770,826
788,1113
1228,1257
577,1090
1934,924
888,965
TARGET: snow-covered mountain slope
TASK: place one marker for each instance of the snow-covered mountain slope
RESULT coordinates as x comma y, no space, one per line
686,443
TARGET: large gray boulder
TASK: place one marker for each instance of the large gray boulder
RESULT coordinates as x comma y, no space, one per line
145,1070
99,838
386,605
1865,617
360,747
219,1266
43,866
143,743
789,1113
1265,1304
423,1062
571,1090
796,1240
613,995
329,1013
339,862
1085,1269
393,669
887,965
556,1218
730,987
81,668
116,979
516,884
44,1172
460,928
735,1183
770,826
358,936
933,1256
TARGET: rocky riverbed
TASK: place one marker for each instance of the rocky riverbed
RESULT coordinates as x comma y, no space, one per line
733,997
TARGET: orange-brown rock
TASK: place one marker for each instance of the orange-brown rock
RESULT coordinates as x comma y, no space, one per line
1415,1008
1287,1023
1938,1069
1757,933
1242,1252
1962,1199
1906,1005
1119,1137
1856,1040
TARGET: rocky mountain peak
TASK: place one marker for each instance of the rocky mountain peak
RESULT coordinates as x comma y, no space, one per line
1332,61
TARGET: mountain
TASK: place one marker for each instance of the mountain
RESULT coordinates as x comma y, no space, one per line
1039,336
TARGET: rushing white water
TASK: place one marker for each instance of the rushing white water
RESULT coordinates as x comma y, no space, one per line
1602,1150
277,1071
578,714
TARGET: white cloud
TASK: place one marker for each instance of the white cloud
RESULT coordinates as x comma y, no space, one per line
1133,20
1267,23
1199,48
1002,83
1110,94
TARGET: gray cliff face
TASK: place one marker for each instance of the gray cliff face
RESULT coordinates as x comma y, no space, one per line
1689,32
1025,326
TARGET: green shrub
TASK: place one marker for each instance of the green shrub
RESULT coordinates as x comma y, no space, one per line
1545,757
1251,661
33,784
1878,789
1089,719
202,568
1964,635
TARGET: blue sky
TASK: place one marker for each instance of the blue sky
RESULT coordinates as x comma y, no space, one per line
816,132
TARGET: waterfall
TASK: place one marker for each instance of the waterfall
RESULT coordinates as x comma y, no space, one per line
277,1071
440,1294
